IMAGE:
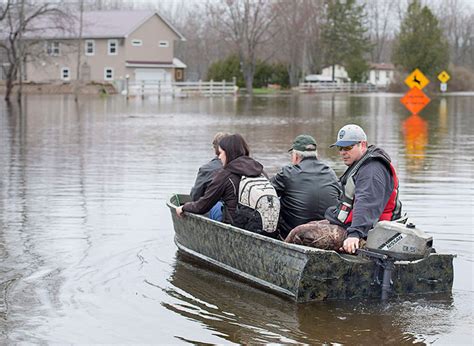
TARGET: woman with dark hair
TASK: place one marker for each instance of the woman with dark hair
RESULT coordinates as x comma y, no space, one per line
234,154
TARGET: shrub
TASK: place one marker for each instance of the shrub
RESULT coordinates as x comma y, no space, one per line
226,69
462,79
265,73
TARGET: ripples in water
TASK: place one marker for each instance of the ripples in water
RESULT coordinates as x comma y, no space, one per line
86,240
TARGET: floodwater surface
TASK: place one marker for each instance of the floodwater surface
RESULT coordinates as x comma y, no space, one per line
86,240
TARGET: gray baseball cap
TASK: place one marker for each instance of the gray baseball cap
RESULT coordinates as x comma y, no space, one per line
350,135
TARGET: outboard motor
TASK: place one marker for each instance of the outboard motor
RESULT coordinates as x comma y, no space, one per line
390,241
399,241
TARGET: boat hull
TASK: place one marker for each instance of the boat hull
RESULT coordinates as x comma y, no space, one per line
301,273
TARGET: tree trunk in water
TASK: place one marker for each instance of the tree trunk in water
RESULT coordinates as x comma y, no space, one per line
11,76
9,88
78,80
294,75
249,84
20,83
249,72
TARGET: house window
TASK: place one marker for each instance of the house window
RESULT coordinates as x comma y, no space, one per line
52,48
164,44
90,47
65,73
112,47
178,74
137,43
109,73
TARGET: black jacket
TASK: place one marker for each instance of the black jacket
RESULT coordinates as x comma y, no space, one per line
204,177
224,186
306,190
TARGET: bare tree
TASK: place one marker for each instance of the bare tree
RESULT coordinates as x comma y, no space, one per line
19,21
103,5
248,24
4,7
457,20
381,27
204,44
297,21
313,53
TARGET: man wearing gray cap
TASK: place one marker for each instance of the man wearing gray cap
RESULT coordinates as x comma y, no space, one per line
307,187
370,194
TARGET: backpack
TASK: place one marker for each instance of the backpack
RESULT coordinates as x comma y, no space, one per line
258,206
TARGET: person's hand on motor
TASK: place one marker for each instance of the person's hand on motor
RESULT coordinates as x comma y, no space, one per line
350,245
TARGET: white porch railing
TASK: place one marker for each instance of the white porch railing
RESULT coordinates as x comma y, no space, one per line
179,89
335,87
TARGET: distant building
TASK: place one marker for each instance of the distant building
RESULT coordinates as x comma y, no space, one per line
317,78
381,75
115,45
340,73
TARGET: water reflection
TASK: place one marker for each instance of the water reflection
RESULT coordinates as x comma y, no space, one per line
241,314
84,226
415,130
443,116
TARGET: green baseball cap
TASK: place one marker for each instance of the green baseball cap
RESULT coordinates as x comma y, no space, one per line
304,143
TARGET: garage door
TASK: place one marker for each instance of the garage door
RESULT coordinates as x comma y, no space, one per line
152,74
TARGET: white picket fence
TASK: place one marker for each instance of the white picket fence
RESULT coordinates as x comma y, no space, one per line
179,89
335,87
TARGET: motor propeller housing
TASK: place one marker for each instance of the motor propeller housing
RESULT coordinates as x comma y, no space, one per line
399,241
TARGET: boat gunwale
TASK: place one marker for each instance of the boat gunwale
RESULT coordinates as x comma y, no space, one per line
306,250
299,248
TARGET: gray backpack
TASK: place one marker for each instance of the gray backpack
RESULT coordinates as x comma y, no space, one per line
258,206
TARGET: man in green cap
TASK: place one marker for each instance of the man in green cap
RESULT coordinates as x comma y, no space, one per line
370,194
306,187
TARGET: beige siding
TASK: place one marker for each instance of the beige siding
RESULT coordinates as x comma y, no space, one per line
151,33
45,68
48,68
101,60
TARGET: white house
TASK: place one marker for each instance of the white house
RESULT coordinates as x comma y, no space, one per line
381,74
340,73
317,78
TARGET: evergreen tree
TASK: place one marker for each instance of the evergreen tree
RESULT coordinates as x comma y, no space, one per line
344,37
265,73
226,69
420,43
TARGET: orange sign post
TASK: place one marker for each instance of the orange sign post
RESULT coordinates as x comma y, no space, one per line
415,100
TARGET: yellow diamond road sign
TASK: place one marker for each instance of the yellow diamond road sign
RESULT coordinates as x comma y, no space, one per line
444,77
417,79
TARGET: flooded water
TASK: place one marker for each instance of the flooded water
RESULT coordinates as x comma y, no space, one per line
86,241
